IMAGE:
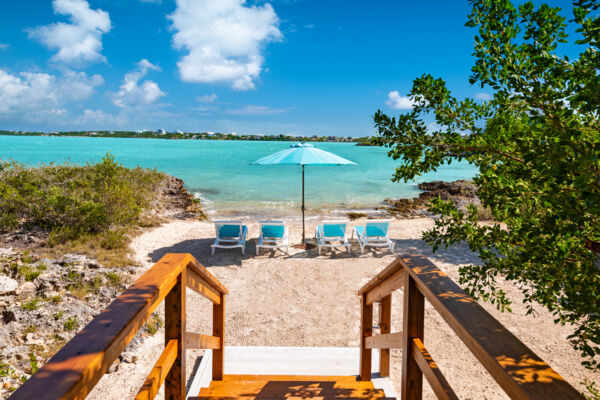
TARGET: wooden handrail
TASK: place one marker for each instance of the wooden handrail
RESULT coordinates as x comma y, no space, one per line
516,368
78,366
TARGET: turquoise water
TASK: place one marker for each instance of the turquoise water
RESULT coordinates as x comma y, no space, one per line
219,171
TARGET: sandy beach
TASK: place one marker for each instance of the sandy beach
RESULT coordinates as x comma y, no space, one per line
303,299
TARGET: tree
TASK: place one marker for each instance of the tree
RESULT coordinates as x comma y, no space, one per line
536,144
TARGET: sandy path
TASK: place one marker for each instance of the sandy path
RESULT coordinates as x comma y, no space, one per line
303,299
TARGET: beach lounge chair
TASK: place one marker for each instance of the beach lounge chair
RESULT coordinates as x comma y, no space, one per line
330,232
230,234
273,235
374,233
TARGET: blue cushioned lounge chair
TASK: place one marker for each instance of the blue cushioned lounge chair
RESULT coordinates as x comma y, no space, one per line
273,235
374,233
330,232
230,234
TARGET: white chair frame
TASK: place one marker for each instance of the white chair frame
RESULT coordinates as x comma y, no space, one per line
373,241
229,242
329,241
271,242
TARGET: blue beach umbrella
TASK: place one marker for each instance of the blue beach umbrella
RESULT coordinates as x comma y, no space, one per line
303,154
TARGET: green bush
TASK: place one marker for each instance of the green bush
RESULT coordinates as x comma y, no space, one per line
71,324
70,201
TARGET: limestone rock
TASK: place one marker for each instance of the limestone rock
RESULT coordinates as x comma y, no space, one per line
26,290
7,285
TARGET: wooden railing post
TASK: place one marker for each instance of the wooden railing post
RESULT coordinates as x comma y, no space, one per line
366,330
218,355
175,329
385,321
414,316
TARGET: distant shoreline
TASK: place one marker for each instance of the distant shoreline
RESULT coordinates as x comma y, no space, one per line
161,134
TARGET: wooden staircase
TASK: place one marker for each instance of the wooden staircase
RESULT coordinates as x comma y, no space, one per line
292,387
74,371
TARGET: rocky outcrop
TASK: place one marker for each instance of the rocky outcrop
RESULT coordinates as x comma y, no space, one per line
178,202
44,303
462,193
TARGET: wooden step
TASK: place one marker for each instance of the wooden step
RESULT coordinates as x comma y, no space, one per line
272,387
282,398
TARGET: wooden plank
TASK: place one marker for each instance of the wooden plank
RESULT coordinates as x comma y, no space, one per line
434,376
197,341
302,389
394,266
159,372
414,318
516,368
77,367
218,355
389,285
385,322
366,330
278,378
199,269
202,287
175,330
387,341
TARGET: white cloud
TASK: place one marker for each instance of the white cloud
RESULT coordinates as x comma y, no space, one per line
257,110
93,119
81,39
224,39
398,102
4,46
483,96
309,26
36,96
135,93
208,98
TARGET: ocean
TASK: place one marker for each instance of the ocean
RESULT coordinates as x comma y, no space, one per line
219,172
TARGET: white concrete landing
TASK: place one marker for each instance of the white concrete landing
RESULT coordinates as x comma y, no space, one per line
259,360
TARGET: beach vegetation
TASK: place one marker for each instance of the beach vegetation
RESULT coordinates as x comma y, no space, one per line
71,324
114,278
154,324
31,305
91,208
33,365
535,139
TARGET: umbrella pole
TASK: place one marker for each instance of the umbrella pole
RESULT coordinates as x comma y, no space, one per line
303,236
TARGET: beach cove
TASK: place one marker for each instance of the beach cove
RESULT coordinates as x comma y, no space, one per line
219,172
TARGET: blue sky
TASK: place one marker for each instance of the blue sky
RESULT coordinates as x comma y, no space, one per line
292,67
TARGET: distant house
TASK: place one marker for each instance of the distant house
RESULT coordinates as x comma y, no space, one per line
92,133
161,132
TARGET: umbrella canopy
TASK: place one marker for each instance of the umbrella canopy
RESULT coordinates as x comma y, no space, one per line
303,154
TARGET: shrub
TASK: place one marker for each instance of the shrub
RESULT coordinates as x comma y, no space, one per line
70,201
31,305
114,278
154,324
71,324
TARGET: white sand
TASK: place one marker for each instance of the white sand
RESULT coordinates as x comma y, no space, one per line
302,299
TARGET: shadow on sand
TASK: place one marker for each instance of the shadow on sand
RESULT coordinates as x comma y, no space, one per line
200,249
